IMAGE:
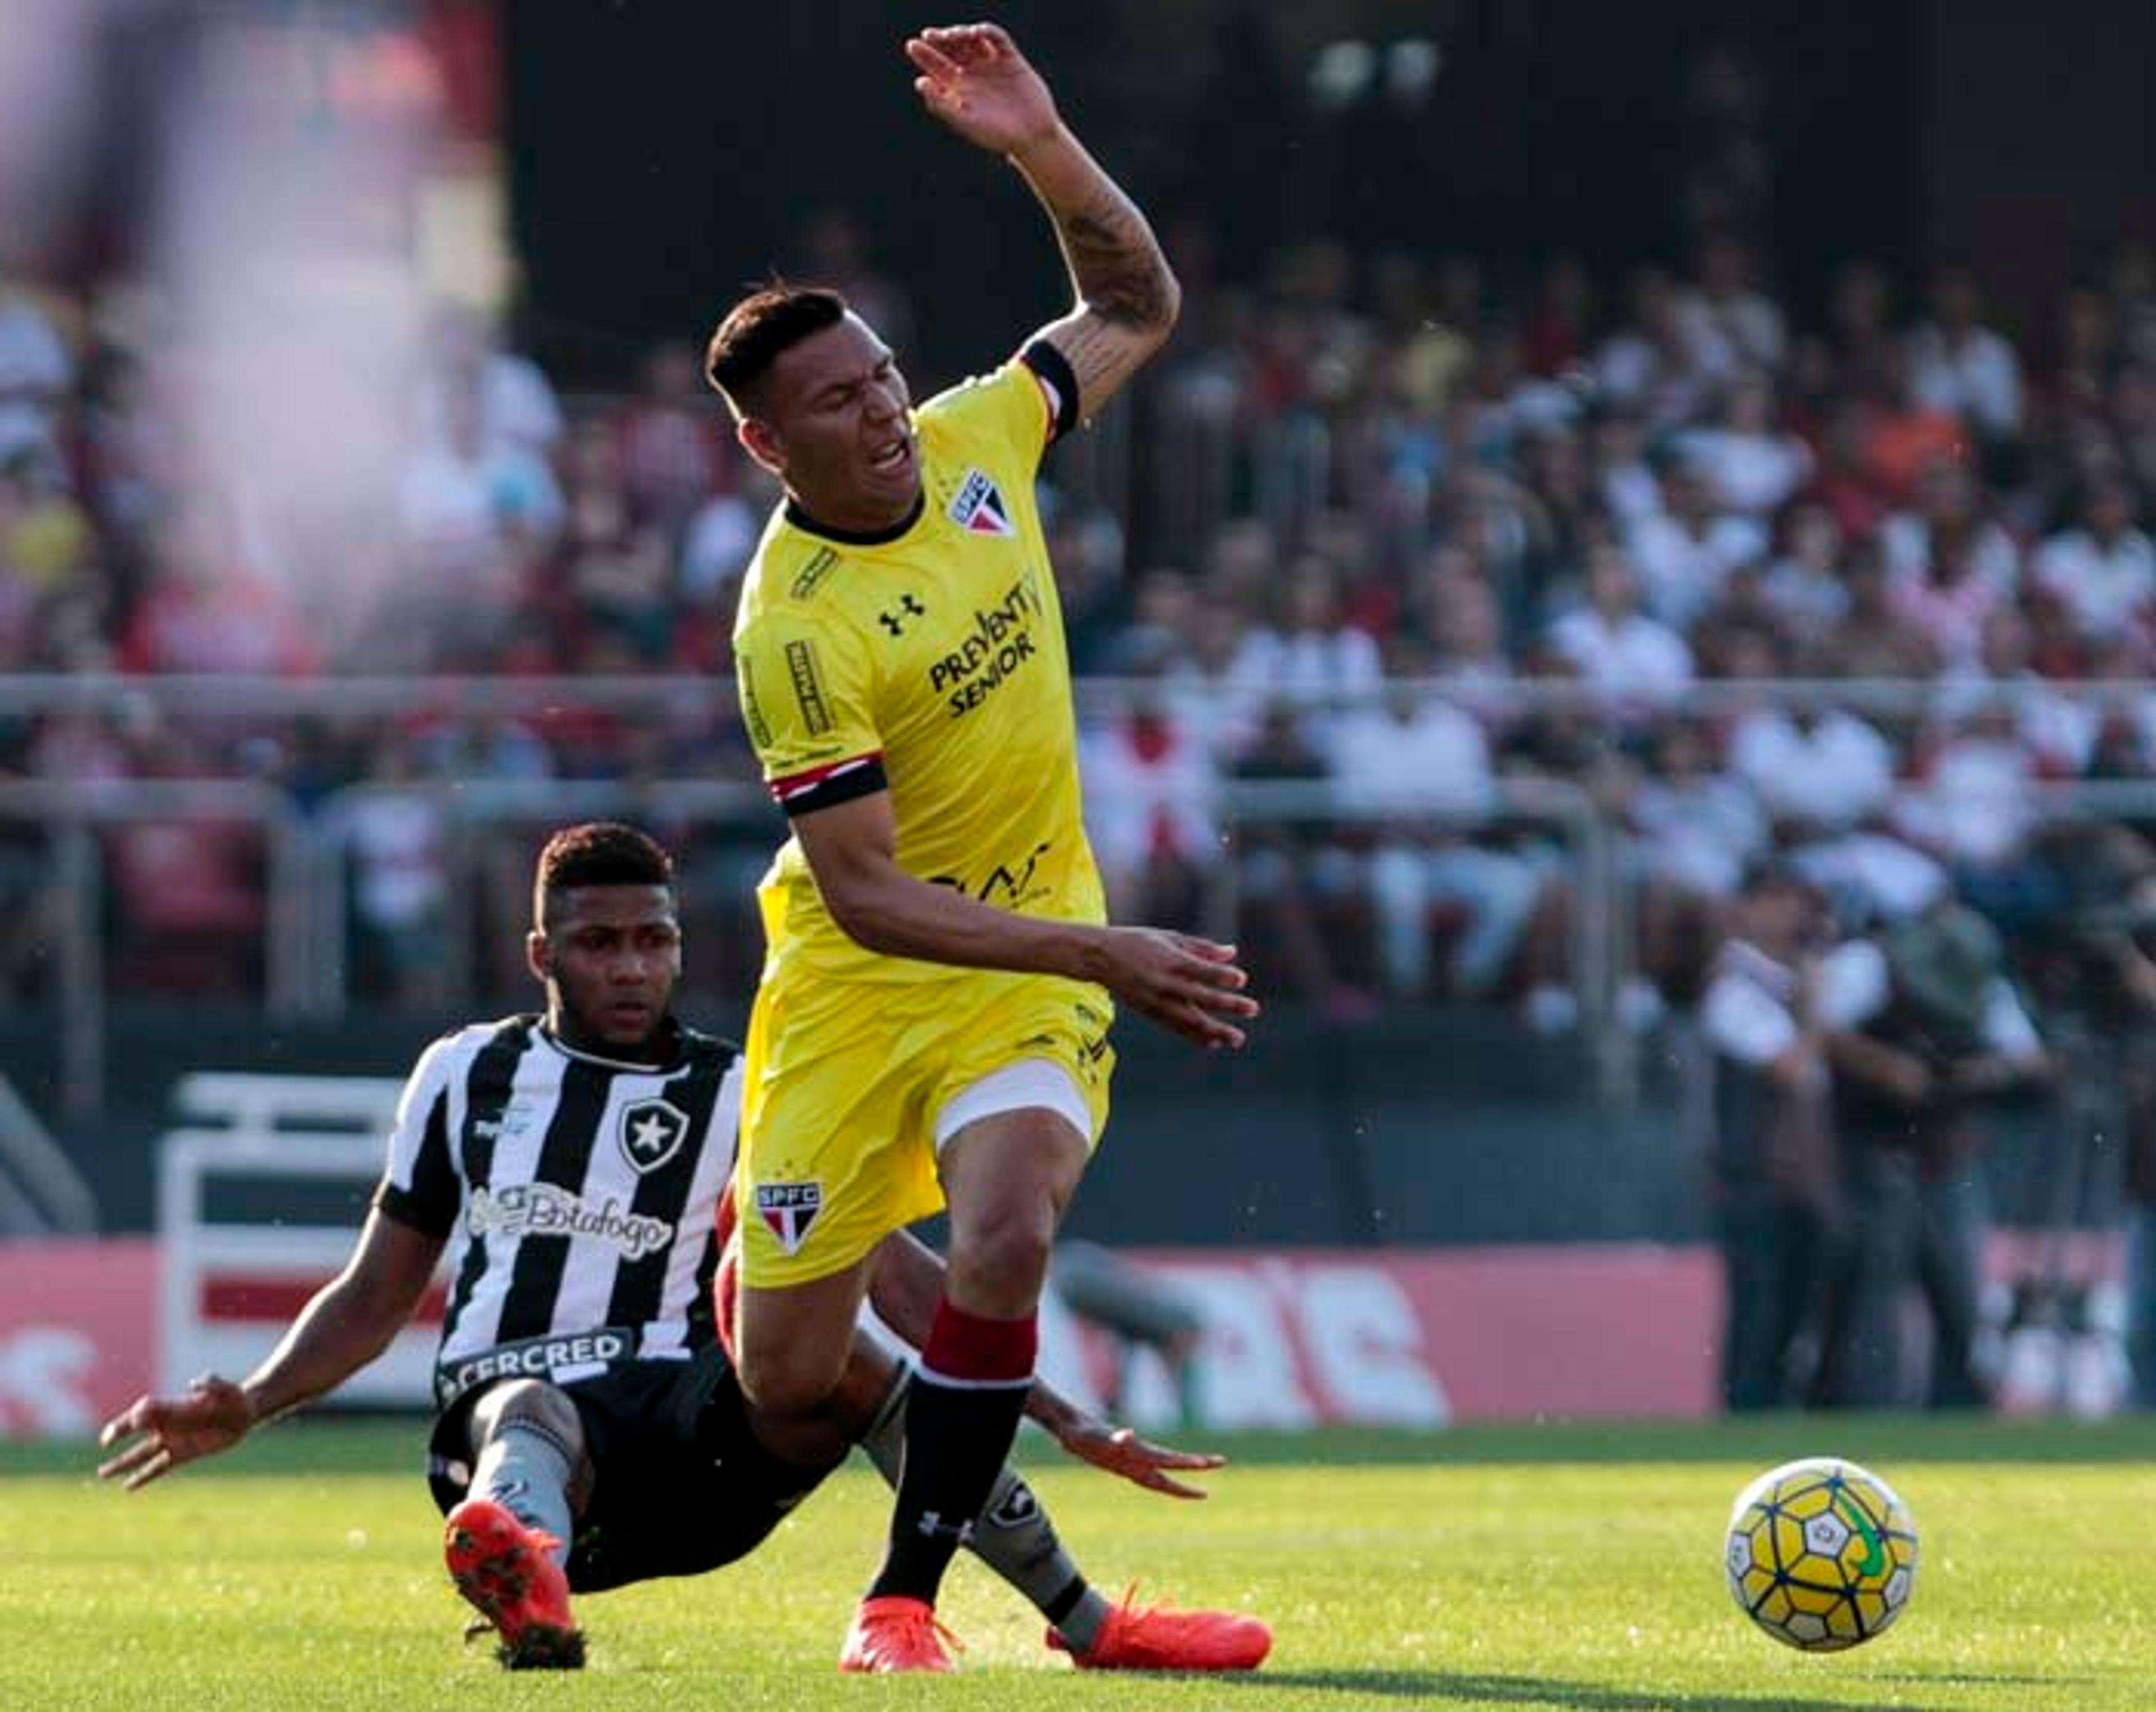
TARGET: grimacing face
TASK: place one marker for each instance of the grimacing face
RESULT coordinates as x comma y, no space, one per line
831,421
610,956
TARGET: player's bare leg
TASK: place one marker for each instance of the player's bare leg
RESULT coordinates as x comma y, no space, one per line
793,1345
1007,1178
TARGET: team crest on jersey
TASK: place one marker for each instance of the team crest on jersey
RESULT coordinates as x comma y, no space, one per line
652,1132
979,509
788,1210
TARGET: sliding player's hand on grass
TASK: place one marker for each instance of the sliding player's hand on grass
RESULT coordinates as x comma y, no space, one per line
168,1431
1120,1451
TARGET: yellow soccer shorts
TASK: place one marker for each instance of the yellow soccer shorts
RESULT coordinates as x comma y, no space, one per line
851,1089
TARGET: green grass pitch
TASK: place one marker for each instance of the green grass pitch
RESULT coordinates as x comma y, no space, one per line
1562,1567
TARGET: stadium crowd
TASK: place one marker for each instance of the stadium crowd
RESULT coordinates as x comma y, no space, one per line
1539,510
1806,596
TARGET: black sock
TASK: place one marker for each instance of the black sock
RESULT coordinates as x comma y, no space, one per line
956,1439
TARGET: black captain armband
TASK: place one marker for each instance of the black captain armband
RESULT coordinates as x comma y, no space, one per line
827,787
1053,367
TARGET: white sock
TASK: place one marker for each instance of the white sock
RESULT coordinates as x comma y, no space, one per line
525,1468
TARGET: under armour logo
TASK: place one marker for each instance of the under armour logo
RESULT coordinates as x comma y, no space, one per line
932,1524
908,608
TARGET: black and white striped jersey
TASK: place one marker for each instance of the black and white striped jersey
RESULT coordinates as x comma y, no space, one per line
579,1194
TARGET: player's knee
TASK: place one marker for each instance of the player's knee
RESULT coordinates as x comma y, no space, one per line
786,1376
999,1255
527,1402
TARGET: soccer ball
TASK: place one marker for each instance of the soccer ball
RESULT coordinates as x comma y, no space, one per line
1821,1554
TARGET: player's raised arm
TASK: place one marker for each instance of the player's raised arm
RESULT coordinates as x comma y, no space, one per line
975,80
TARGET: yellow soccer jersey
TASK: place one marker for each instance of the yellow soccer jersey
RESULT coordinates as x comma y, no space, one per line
931,662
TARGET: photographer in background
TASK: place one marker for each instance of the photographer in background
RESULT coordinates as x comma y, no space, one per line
1776,1181
2080,1330
1925,1029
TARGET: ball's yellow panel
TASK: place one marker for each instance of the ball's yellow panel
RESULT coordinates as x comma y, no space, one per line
1820,1553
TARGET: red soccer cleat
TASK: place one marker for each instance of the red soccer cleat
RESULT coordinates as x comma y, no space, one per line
505,1570
1155,1637
895,1634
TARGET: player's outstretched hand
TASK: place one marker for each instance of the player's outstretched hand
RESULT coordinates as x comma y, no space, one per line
973,78
168,1431
1192,986
1120,1451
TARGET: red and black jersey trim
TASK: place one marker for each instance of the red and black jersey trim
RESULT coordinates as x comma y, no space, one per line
827,787
1052,365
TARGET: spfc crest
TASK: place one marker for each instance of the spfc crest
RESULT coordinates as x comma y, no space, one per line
979,509
652,1132
788,1209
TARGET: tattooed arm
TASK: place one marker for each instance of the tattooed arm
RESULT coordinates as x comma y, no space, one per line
1127,298
975,79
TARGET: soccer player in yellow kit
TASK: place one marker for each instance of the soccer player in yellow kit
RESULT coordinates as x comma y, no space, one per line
931,1029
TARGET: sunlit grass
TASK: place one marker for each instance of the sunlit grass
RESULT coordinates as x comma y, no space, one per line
1438,1570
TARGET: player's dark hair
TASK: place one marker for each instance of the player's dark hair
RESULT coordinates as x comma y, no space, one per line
759,330
598,853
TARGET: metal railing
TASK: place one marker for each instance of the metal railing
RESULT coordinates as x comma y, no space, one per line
468,810
1565,809
73,818
306,857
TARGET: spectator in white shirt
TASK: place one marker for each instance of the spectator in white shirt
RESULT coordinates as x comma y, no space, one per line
1612,644
1948,563
1962,366
1693,827
1457,610
1726,320
1315,658
460,496
1824,769
1752,466
2059,731
1618,466
516,400
1805,586
1972,805
1149,788
1654,365
399,841
721,536
2105,569
1685,552
1696,824
1875,875
1422,764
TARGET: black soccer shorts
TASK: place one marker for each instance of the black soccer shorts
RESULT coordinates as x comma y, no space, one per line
681,1485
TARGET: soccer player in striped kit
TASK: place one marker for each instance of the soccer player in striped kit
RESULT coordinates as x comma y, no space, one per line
592,1430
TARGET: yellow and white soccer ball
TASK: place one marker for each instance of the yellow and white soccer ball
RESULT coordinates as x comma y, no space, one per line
1821,1554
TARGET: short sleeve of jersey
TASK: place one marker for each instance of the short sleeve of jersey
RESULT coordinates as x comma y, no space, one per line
419,1185
1027,404
807,702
